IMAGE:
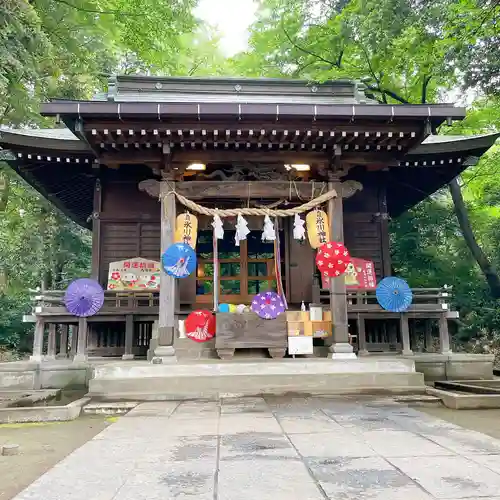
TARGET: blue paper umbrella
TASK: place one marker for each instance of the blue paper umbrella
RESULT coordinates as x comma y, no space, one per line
179,260
394,294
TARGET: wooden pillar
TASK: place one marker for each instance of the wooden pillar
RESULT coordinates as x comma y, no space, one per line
153,342
428,336
38,340
362,350
63,341
96,231
444,336
384,225
74,340
168,285
340,346
405,335
51,344
129,337
81,349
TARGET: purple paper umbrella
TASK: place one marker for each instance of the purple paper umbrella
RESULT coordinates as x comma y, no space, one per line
84,297
268,305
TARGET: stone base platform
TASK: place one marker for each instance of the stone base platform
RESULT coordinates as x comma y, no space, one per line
47,374
142,381
454,366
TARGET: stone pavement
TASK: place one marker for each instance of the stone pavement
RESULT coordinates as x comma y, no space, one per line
277,448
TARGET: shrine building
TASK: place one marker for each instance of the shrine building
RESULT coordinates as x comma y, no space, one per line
134,161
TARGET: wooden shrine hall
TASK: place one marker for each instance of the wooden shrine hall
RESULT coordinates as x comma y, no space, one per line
127,163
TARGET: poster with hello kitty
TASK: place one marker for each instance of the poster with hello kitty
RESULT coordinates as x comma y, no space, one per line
134,274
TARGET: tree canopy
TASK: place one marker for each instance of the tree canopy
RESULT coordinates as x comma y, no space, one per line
416,51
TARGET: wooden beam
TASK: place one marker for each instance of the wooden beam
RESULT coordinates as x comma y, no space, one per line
338,299
81,349
96,231
384,226
250,156
163,128
199,190
168,285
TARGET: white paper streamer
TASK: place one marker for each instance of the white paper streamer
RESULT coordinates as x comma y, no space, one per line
268,233
299,231
218,227
241,230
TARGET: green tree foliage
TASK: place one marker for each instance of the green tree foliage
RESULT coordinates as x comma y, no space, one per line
407,51
67,49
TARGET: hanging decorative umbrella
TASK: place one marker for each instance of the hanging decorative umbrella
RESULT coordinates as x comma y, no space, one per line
332,259
179,260
268,305
394,294
84,297
200,326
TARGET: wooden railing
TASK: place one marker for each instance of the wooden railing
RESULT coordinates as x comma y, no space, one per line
424,299
51,302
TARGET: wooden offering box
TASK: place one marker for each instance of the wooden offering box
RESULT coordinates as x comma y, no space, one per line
299,324
246,331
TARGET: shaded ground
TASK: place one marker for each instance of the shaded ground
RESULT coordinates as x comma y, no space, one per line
41,447
277,448
486,421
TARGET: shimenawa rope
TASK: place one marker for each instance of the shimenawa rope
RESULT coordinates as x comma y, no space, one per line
233,212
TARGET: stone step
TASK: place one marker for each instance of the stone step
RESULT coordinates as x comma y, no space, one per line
418,400
141,382
108,408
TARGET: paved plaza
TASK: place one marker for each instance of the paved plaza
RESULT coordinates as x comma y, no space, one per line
277,448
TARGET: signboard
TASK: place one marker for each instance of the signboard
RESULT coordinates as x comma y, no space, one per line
359,275
300,345
134,274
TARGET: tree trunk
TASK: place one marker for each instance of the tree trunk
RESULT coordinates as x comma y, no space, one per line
487,268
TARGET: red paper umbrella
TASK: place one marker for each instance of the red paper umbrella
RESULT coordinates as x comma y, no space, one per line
200,326
332,259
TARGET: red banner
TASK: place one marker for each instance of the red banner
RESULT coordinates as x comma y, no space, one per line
360,275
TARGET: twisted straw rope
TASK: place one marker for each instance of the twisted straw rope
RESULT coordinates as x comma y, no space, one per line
255,211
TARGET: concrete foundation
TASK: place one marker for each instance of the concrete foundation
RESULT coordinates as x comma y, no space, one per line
143,381
42,413
59,374
453,366
466,401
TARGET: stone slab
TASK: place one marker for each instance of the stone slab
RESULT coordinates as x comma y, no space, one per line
277,448
451,477
356,478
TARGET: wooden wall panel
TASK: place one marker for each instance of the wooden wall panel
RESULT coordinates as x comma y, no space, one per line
123,200
302,268
364,228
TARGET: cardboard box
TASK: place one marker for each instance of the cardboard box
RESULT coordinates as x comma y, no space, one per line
297,316
295,328
318,329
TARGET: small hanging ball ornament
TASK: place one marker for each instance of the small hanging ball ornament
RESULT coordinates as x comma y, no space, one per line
332,259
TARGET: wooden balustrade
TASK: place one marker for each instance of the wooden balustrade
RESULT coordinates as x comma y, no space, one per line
434,300
51,303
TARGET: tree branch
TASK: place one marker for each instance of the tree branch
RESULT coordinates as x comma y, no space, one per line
390,93
93,11
480,257
425,84
308,52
